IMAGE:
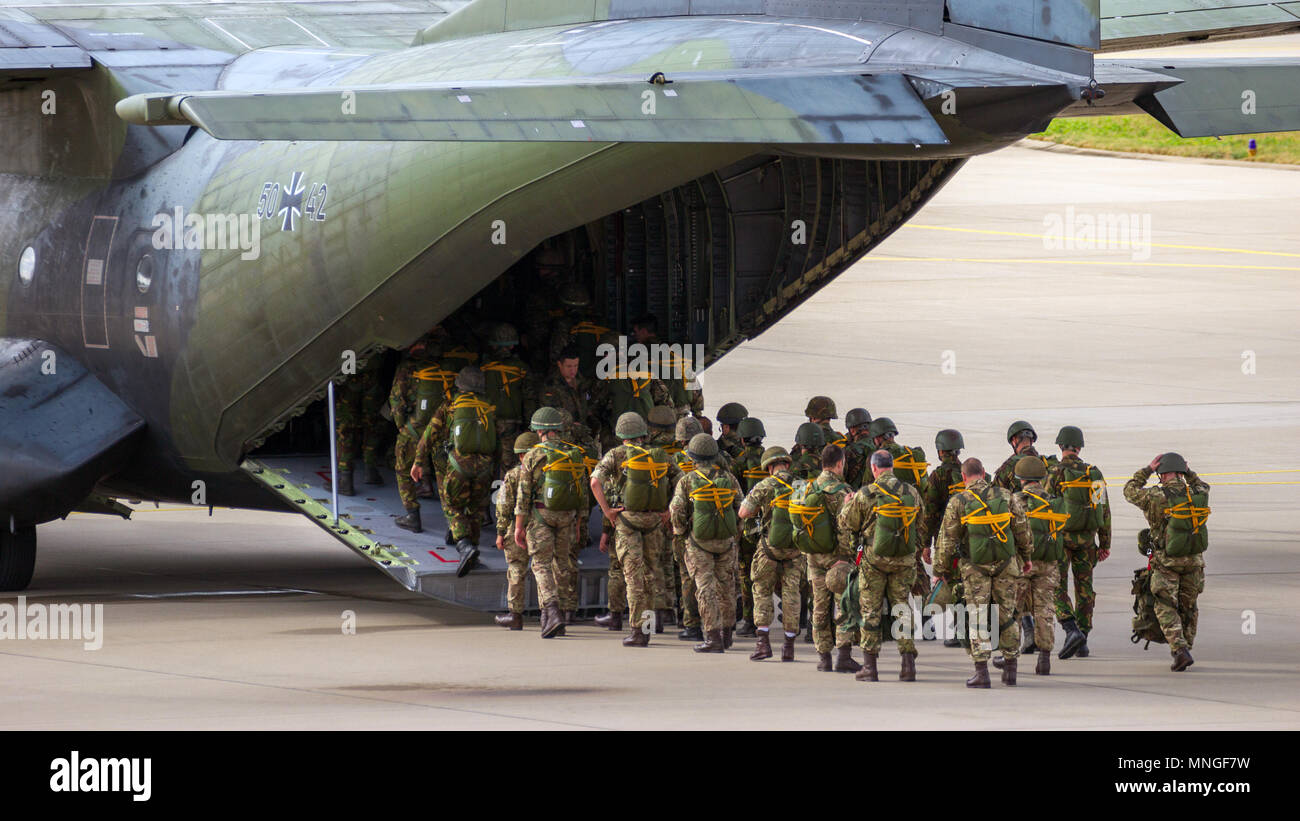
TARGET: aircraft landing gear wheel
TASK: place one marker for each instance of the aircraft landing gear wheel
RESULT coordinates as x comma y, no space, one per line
17,557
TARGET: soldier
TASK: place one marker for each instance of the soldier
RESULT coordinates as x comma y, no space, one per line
358,425
1037,588
808,444
987,524
626,391
663,421
1176,511
565,387
729,417
552,476
465,428
1021,436
703,511
509,387
577,436
777,562
577,328
885,518
909,467
643,477
688,427
820,411
516,556
551,267
815,513
749,470
414,397
942,483
1087,538
858,448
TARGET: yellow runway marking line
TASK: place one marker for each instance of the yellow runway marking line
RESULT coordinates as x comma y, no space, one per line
1102,262
1049,236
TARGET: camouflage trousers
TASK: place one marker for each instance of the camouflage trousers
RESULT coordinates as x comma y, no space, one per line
766,574
1036,596
983,589
1181,586
826,634
714,576
617,584
359,429
638,538
1081,558
403,459
507,430
516,573
549,533
465,490
880,581
566,561
745,558
690,602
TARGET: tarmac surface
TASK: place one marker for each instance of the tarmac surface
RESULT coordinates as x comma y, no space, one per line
1186,339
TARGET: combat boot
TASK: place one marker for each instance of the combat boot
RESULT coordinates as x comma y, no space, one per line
824,663
762,648
1182,660
637,638
981,677
745,628
514,621
691,634
908,671
612,620
844,663
372,476
424,490
952,642
552,621
468,558
345,483
712,643
726,638
1027,627
868,671
660,620
411,521
787,649
1083,649
1009,672
568,617
1044,666
1074,639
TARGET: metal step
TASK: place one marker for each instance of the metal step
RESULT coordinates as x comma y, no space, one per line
420,562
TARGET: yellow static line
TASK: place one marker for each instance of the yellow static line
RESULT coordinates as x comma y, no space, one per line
1052,237
1121,263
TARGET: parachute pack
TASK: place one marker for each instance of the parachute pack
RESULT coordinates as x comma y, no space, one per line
813,524
1046,522
713,507
988,530
564,477
473,425
646,474
895,534
1082,490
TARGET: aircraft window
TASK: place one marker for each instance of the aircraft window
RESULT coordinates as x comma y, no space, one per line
144,274
27,266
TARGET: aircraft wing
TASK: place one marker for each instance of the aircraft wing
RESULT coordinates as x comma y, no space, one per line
846,107
1131,24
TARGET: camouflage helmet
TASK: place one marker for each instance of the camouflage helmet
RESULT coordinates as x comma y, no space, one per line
731,413
1070,437
1018,427
1172,463
470,378
702,448
837,578
547,419
821,407
750,428
687,427
773,455
857,417
1031,468
662,416
883,426
503,335
630,425
949,440
575,296
526,441
810,437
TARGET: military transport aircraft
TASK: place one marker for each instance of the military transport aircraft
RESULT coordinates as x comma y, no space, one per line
389,159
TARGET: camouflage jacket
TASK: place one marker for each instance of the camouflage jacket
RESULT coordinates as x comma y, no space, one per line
610,473
681,509
576,399
832,436
731,444
952,533
1005,475
1053,486
760,499
747,467
857,454
507,497
437,435
1153,502
857,520
942,483
805,465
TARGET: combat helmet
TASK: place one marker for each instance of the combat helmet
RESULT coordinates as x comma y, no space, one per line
751,428
857,417
470,379
821,407
526,441
837,578
1018,427
1172,463
883,426
575,296
702,448
1030,467
547,419
949,440
662,416
630,426
1070,437
503,335
687,427
773,455
731,413
809,436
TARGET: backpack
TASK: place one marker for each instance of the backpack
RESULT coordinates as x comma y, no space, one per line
910,465
988,530
684,463
646,475
1045,523
1082,491
505,387
563,478
586,336
473,425
748,464
894,534
713,506
1146,626
430,392
813,524
1185,531
780,531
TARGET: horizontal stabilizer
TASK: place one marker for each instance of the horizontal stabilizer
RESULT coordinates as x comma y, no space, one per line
1130,24
844,107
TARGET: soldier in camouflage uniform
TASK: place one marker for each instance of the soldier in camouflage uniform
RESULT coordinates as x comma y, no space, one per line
1021,436
774,566
639,534
516,556
551,267
942,483
663,421
711,558
576,435
749,470
807,451
858,448
820,411
826,634
983,518
729,418
1036,595
510,388
566,388
909,467
412,401
688,427
577,328
1176,512
885,518
1087,538
465,429
620,392
358,425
